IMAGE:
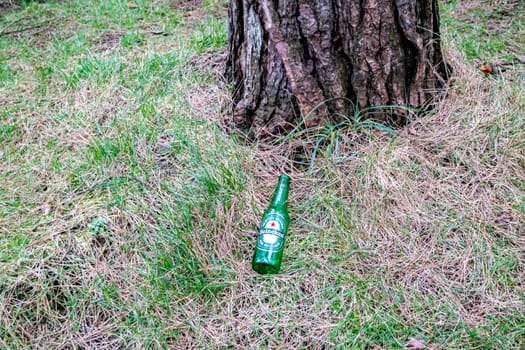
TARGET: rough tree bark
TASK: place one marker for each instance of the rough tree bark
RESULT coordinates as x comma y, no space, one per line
288,56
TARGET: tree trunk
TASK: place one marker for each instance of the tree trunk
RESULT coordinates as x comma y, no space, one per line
314,60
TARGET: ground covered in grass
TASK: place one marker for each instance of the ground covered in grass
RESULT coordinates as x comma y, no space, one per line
128,215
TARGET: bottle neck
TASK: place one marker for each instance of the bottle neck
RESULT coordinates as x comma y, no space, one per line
280,196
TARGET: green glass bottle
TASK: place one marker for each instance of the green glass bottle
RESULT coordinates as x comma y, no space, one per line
275,220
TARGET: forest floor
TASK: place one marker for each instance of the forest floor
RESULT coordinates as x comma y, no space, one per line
128,215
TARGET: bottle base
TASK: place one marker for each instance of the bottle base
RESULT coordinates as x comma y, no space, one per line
265,269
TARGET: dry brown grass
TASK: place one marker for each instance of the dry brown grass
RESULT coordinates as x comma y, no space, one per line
433,215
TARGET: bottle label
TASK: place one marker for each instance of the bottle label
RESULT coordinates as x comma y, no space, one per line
271,235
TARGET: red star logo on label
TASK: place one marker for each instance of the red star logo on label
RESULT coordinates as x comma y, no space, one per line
273,224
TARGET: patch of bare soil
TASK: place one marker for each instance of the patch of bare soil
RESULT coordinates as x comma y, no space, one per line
500,13
503,14
194,10
186,5
109,41
8,4
39,30
40,34
212,62
5,4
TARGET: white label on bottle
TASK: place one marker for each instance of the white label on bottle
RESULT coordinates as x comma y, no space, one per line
270,239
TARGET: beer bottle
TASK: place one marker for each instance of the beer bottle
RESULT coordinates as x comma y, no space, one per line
275,220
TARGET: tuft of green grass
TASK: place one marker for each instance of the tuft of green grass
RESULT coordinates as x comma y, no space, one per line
209,34
486,30
128,217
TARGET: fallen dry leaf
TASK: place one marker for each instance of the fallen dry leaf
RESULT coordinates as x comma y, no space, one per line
486,68
414,343
132,5
489,68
